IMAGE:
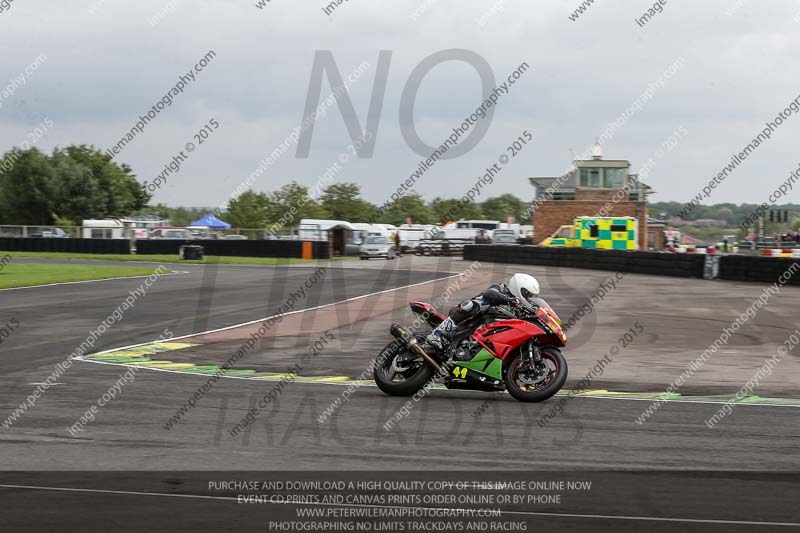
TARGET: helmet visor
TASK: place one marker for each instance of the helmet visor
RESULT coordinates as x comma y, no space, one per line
529,297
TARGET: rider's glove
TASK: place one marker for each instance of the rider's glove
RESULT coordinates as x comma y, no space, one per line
514,302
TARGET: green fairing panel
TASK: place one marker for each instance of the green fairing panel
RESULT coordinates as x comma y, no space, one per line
484,363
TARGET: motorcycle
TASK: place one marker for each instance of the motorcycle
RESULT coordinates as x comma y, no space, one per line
497,348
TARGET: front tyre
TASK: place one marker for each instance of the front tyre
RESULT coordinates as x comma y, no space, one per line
404,377
528,383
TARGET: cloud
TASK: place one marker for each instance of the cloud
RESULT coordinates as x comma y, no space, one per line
106,68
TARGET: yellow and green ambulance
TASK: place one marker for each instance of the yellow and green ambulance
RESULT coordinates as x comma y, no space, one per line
605,233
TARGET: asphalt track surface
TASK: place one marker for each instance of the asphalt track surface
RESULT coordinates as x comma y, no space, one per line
670,473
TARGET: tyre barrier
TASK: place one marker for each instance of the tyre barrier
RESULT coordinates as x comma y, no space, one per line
440,249
75,246
710,250
190,252
256,248
780,252
755,268
684,265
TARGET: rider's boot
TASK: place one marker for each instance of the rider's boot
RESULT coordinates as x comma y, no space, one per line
435,343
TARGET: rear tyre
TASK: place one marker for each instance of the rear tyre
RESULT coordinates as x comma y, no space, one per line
400,380
528,384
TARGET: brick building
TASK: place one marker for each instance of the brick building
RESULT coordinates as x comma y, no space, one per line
594,187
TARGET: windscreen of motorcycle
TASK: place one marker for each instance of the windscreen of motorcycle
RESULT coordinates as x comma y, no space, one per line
550,319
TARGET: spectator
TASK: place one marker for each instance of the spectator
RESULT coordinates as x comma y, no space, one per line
396,239
797,237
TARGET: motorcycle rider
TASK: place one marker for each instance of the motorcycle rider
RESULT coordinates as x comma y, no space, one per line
522,289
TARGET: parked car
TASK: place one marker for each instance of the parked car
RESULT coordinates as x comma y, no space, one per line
48,233
235,237
505,236
203,233
377,246
171,233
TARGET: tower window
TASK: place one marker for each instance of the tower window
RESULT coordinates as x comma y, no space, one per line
594,178
613,178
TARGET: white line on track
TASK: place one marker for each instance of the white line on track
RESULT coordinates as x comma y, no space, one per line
173,339
345,384
363,506
90,281
434,391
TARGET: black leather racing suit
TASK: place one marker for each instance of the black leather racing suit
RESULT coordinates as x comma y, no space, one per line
498,294
494,295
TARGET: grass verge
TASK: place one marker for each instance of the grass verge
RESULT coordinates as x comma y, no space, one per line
221,260
29,275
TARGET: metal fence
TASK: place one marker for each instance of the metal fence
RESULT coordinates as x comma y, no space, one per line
40,231
77,232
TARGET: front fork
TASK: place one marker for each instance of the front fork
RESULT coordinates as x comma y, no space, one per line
534,354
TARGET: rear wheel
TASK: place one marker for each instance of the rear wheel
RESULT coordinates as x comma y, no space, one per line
528,382
404,377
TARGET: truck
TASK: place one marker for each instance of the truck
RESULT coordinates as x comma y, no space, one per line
605,233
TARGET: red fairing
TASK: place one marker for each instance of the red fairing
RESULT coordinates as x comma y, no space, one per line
503,337
435,317
427,307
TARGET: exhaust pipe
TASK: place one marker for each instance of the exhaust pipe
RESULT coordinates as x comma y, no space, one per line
399,333
402,335
414,345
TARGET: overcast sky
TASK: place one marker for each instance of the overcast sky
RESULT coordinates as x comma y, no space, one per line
106,65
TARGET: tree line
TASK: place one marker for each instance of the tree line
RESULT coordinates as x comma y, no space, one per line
732,214
75,183
65,187
80,182
343,201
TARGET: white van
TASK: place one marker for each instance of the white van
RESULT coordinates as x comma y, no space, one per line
412,234
490,225
461,234
103,229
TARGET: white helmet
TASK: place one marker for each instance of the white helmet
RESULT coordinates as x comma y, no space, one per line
525,287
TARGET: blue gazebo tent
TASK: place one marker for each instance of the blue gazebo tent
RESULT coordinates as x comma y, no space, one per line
212,222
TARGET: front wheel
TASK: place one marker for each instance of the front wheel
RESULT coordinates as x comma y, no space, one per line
400,372
529,383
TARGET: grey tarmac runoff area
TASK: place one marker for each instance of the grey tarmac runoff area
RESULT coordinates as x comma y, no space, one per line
137,465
